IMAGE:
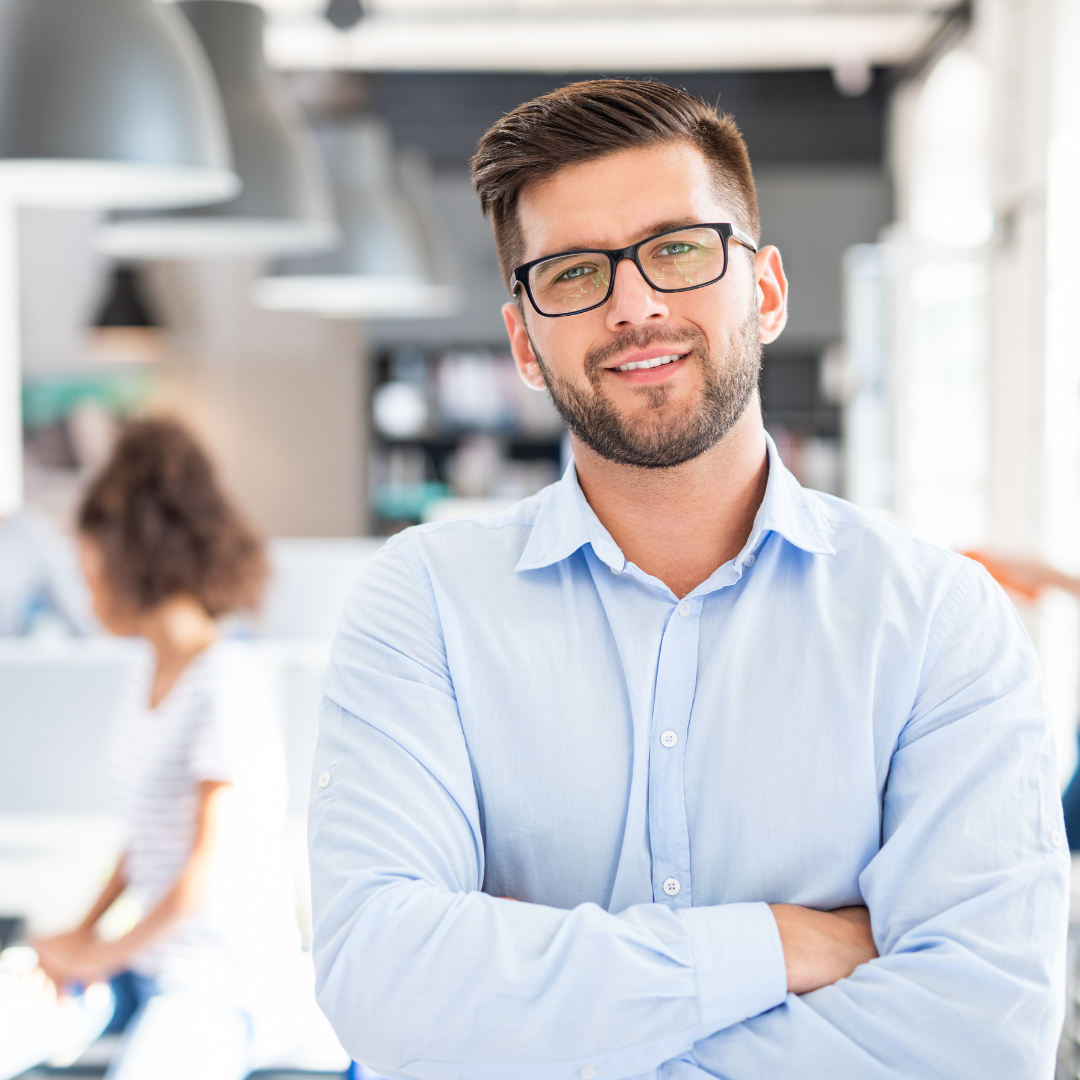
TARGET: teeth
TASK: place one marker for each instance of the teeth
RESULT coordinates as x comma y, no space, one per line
656,361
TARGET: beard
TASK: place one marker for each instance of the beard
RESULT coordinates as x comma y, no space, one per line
657,439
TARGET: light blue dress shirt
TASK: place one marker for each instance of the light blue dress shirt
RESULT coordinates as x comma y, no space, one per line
841,715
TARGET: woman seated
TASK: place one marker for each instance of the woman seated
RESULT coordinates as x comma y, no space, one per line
215,966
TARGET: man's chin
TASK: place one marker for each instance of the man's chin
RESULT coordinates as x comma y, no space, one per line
652,448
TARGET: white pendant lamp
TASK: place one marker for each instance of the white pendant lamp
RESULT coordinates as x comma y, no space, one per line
285,205
382,270
107,103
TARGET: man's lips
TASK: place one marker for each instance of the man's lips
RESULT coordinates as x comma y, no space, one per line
649,364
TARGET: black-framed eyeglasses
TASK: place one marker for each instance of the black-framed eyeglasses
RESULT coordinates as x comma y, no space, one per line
677,260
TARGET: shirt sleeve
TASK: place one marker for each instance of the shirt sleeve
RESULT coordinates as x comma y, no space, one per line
212,752
968,894
424,975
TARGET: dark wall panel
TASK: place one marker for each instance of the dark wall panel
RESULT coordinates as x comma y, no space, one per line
786,117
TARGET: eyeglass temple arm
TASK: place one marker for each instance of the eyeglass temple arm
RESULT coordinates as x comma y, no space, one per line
737,234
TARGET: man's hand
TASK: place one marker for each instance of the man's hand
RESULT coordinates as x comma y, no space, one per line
822,946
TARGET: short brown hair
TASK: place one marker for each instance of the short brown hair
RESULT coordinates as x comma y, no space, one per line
589,120
165,528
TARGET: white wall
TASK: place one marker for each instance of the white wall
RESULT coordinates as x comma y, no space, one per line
279,399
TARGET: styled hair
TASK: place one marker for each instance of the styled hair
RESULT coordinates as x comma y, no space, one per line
589,120
165,528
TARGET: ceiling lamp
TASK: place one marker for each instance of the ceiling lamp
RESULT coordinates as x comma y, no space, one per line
285,205
383,267
126,328
107,103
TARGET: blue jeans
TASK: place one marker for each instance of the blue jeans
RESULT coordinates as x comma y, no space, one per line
131,992
1070,803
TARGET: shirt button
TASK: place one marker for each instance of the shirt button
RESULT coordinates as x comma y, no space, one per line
684,608
614,570
587,1072
668,738
1056,838
749,560
324,779
672,886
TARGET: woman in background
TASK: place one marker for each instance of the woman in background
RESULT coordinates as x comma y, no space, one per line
198,774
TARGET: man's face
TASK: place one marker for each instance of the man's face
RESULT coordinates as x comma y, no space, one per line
709,338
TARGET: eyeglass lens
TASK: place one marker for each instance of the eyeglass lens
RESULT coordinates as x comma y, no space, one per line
680,260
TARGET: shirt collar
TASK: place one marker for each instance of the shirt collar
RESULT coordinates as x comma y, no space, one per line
565,521
790,510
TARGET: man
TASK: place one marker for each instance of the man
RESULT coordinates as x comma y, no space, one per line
676,769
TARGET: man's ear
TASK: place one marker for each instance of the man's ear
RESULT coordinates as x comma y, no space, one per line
521,347
772,290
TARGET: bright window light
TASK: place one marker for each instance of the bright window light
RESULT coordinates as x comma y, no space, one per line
942,315
950,181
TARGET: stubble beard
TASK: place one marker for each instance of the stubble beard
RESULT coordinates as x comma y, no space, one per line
654,439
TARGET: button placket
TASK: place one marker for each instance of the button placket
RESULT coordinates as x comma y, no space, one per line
676,680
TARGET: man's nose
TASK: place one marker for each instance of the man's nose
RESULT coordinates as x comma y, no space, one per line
633,300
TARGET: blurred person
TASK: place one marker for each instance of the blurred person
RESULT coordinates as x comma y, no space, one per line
214,971
1028,577
773,781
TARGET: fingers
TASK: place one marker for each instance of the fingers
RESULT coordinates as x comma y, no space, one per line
821,947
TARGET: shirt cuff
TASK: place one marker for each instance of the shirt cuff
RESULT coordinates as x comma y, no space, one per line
739,960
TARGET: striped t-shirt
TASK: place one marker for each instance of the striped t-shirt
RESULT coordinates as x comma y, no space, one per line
217,722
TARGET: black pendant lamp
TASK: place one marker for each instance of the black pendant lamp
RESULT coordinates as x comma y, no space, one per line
126,328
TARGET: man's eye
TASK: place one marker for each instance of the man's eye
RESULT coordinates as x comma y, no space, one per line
676,247
575,273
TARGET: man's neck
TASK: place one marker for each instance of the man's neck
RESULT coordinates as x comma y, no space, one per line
680,524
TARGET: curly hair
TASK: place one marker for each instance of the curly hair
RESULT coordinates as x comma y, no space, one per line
589,120
165,527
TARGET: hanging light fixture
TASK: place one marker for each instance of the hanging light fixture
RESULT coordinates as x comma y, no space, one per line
383,267
126,328
107,103
285,205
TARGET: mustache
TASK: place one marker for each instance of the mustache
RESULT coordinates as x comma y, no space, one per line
641,338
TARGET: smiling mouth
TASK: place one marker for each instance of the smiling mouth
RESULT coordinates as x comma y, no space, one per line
656,361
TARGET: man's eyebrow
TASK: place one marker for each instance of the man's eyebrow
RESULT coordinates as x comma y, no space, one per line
667,226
